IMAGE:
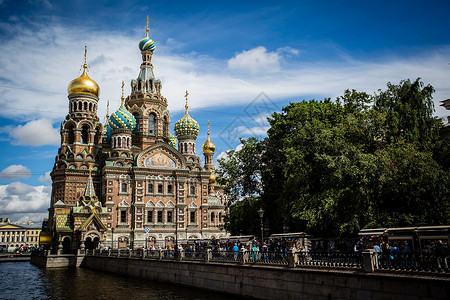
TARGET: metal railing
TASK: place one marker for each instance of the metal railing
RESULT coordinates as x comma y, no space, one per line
404,262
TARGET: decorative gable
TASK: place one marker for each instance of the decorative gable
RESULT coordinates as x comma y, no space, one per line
124,203
161,156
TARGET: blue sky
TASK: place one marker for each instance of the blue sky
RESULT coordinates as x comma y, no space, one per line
240,61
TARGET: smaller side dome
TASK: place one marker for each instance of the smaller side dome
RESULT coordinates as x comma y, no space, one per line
208,146
122,119
186,125
212,178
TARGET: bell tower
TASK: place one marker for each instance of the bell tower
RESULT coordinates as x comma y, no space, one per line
81,138
146,103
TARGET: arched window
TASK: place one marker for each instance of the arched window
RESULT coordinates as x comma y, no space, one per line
151,124
150,188
85,106
136,117
169,189
192,191
70,135
85,134
185,148
212,217
119,140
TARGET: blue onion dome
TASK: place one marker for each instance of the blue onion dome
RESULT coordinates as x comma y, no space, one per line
172,141
122,119
147,44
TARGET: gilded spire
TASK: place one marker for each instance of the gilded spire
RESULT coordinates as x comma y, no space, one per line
208,129
123,97
186,96
146,29
107,109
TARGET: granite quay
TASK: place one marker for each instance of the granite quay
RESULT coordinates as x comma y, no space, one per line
271,275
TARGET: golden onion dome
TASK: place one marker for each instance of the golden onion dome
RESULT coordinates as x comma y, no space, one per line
83,85
208,146
212,178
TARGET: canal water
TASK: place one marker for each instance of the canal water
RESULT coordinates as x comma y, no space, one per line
22,280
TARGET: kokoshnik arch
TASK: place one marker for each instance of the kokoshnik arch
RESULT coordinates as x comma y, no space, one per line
111,182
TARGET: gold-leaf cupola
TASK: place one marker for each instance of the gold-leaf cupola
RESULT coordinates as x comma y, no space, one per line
84,84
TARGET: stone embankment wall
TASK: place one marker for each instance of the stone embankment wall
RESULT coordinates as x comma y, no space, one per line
265,282
57,261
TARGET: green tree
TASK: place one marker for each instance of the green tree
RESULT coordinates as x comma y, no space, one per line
334,167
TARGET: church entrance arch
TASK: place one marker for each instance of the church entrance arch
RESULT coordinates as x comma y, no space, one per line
92,242
67,245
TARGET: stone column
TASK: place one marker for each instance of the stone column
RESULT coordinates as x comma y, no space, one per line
370,260
293,258
243,256
60,248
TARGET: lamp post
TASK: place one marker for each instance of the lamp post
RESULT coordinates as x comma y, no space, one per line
112,238
261,215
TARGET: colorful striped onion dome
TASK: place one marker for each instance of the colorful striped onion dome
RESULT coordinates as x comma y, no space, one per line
186,126
147,44
172,141
122,119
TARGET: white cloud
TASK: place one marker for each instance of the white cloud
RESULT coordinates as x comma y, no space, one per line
14,172
256,60
224,155
19,201
36,133
46,178
57,56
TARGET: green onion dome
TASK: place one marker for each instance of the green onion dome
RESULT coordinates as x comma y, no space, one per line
186,126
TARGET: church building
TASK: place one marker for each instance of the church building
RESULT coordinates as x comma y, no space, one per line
130,182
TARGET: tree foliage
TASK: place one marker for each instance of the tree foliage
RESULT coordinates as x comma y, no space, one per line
334,167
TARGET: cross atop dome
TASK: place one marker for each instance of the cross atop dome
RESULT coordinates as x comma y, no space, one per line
123,97
147,44
146,30
186,96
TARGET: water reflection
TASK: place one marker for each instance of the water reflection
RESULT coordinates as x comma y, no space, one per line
21,280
